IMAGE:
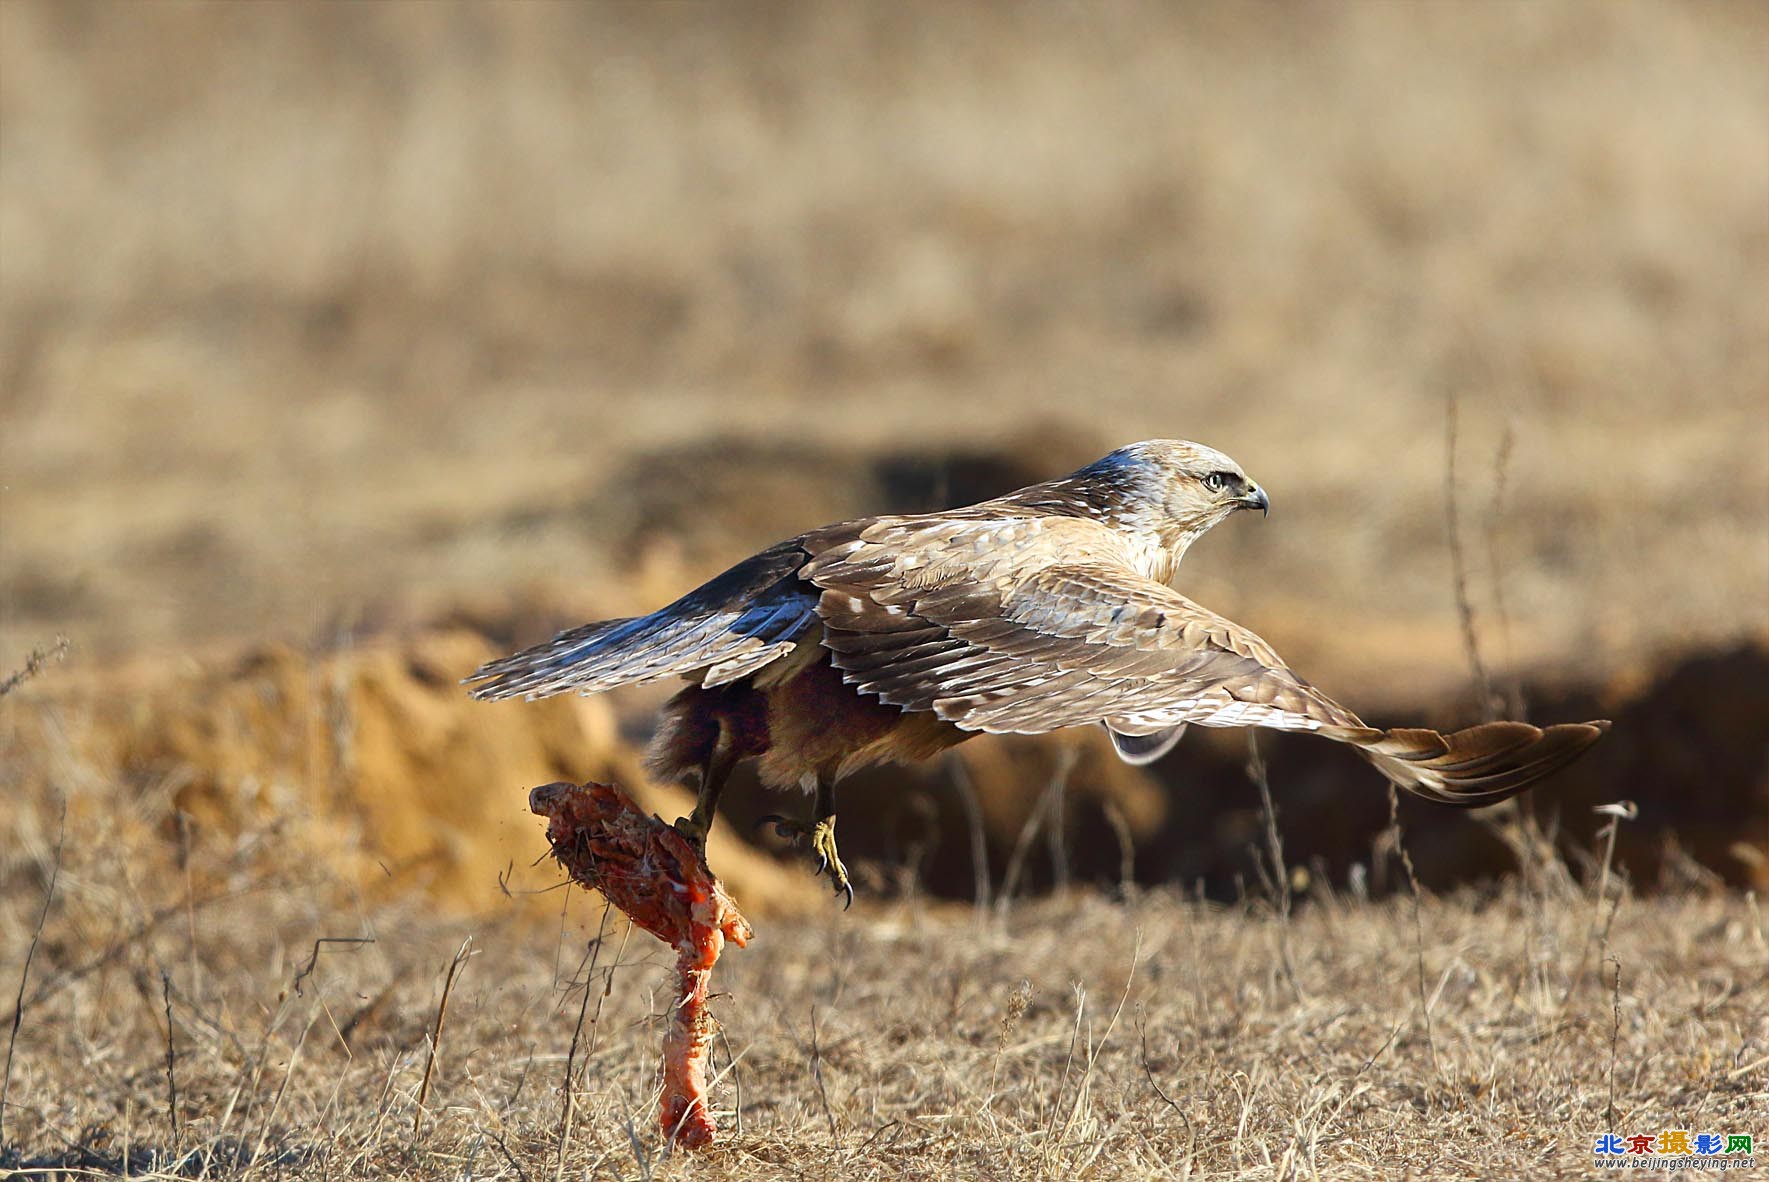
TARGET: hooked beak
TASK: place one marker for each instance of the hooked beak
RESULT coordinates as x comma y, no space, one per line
1255,498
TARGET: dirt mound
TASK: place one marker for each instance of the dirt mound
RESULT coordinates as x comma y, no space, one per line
372,761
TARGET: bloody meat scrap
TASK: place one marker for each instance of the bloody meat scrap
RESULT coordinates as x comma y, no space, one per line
651,872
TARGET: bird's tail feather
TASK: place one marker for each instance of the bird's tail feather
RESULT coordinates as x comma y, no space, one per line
1478,766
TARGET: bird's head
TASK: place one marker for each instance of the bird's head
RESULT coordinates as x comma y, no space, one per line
1171,492
1199,485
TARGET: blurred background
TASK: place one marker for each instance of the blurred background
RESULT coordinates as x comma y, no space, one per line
343,346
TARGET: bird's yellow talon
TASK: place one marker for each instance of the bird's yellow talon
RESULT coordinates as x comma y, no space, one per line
829,859
819,839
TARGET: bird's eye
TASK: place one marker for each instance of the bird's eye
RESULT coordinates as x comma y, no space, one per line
1217,481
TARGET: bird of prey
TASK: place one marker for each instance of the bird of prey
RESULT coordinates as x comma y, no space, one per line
892,638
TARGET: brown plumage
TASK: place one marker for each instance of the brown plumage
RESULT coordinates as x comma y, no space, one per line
894,637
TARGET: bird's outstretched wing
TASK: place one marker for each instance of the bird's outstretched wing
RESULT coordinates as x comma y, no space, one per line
1032,646
745,618
1029,648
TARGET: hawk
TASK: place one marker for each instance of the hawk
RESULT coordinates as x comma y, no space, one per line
892,638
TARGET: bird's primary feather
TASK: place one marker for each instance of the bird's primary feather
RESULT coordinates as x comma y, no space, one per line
724,630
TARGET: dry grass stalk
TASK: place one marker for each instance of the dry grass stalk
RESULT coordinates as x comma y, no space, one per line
1126,845
1081,1087
1017,1002
973,822
448,983
1513,704
34,663
1617,813
1274,849
1615,1031
567,1089
1406,861
817,1077
306,970
24,975
171,1060
1459,563
1048,811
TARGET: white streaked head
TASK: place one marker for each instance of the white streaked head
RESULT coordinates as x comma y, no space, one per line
1169,492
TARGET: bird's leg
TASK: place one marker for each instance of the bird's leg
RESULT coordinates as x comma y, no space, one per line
819,835
713,775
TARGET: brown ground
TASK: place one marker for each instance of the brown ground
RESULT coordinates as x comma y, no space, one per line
1070,1038
315,319
341,346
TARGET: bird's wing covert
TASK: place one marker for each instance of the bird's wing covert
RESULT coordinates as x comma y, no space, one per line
990,639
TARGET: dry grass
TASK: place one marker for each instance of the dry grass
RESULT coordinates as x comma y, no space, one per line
320,321
1160,1038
